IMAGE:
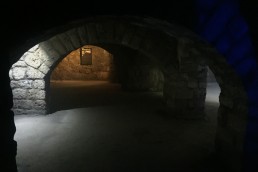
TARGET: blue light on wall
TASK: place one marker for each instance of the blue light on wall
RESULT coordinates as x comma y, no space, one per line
221,24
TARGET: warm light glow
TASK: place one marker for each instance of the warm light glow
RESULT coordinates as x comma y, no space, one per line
87,50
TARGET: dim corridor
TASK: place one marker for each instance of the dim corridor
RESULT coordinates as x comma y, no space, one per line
96,127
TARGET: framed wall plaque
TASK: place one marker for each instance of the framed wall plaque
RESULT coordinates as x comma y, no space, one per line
86,56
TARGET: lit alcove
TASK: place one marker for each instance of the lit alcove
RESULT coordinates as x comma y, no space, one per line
79,73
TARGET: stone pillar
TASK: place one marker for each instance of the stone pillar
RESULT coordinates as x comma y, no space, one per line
9,145
185,91
28,84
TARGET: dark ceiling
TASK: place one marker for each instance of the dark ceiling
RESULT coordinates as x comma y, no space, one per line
23,20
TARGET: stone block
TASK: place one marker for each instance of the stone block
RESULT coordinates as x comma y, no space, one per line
32,60
49,62
19,93
57,45
26,84
19,73
19,63
38,84
29,111
22,104
66,42
32,73
44,68
34,48
36,94
50,52
39,104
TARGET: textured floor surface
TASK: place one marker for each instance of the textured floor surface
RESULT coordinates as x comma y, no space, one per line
95,127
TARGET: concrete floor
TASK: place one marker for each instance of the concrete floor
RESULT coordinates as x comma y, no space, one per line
103,129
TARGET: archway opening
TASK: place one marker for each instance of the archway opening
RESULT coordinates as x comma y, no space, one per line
79,73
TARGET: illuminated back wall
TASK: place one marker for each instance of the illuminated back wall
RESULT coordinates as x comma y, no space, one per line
97,67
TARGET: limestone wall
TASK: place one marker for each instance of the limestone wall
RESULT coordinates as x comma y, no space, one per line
69,68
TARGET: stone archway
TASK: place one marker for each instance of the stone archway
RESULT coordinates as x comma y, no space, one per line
178,52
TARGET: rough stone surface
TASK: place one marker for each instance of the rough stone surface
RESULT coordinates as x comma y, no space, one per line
32,60
36,94
57,46
49,62
66,42
20,64
69,68
74,37
34,48
52,54
23,104
21,84
39,104
11,74
19,93
187,90
44,68
19,73
27,83
38,84
34,73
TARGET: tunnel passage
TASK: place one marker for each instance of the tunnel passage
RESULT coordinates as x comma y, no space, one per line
172,48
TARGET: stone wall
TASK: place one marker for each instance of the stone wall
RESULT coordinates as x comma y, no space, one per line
185,91
69,68
28,84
